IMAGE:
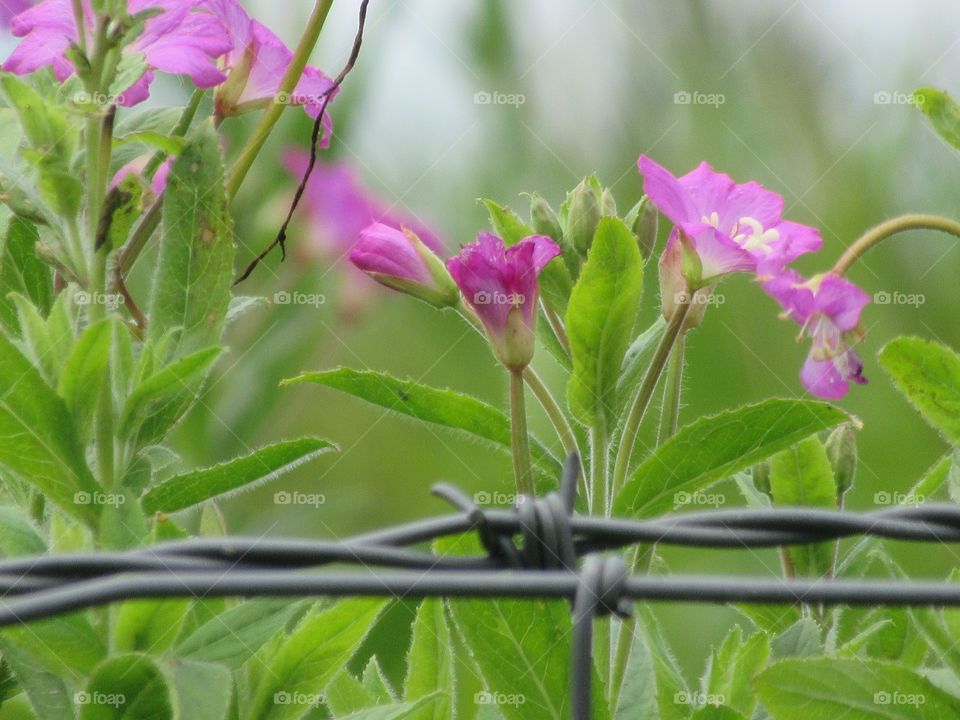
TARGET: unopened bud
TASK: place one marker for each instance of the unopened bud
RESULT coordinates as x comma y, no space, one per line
842,450
643,220
544,219
583,216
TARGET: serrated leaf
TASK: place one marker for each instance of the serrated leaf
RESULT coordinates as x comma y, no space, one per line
440,407
942,111
430,662
18,536
801,476
718,446
672,694
127,687
732,668
312,656
260,466
85,372
148,626
232,637
191,289
346,695
22,272
827,688
38,441
928,374
46,691
600,319
395,711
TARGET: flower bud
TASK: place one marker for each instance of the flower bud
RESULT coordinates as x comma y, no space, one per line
841,448
544,219
643,221
675,289
583,216
401,261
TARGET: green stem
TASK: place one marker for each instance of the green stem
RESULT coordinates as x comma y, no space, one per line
522,466
78,19
598,471
104,437
641,399
888,228
552,409
179,130
272,114
670,414
556,325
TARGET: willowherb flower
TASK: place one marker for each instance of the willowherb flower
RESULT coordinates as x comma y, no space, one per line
500,284
255,66
10,9
723,226
828,308
400,260
181,39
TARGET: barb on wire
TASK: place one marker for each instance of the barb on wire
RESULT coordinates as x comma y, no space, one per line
281,239
531,551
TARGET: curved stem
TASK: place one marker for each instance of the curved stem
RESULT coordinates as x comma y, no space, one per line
287,86
641,401
670,414
911,221
556,325
522,465
598,471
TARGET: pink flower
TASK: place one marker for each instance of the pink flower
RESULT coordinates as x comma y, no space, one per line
158,183
256,66
728,227
828,309
400,260
501,285
178,41
11,8
338,208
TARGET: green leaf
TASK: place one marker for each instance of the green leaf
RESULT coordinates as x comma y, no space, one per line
440,407
22,272
123,206
717,712
169,144
507,224
732,669
263,465
47,691
718,446
203,691
395,711
45,124
814,688
928,374
802,639
148,626
942,111
600,319
375,683
430,662
46,342
38,441
66,646
191,288
85,372
312,656
160,400
347,695
801,476
127,687
670,684
18,536
232,637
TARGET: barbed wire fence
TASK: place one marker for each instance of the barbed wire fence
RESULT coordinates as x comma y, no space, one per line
540,549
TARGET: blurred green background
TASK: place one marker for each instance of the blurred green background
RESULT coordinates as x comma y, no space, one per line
815,105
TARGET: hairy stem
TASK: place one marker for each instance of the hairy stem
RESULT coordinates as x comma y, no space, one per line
556,325
641,400
670,414
888,228
522,466
272,114
552,409
598,471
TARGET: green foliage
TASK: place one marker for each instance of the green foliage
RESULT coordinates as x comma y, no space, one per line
716,447
430,663
22,272
928,374
600,320
942,111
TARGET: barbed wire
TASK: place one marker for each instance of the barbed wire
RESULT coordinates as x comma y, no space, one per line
539,549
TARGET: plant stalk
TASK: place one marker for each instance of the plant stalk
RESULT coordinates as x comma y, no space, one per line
888,228
522,465
670,414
